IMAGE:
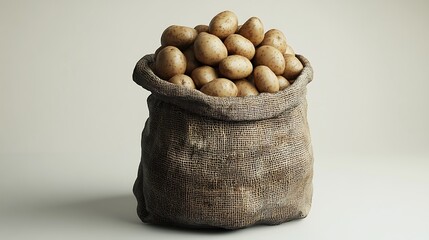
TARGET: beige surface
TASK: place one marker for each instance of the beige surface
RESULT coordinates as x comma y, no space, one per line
71,116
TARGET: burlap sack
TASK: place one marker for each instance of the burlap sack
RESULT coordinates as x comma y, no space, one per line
223,162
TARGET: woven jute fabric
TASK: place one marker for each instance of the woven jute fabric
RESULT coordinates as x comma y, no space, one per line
223,162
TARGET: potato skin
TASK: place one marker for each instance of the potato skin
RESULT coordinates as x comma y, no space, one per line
283,82
275,38
289,50
220,87
239,45
178,36
293,67
202,75
209,49
270,57
157,51
182,80
170,61
245,88
191,61
202,28
265,79
253,29
235,67
223,24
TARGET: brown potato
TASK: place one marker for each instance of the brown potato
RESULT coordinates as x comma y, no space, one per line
191,62
275,38
209,49
157,51
202,28
283,82
265,79
239,45
182,80
220,87
253,29
223,24
202,75
289,50
238,28
235,67
245,88
170,61
270,57
293,67
178,36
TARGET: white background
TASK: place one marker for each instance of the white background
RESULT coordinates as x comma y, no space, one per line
71,116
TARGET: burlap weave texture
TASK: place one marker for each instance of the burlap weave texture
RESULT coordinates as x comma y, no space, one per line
223,162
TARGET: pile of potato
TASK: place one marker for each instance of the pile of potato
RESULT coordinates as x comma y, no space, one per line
224,59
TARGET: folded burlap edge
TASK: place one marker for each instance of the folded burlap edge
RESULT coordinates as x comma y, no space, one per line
263,106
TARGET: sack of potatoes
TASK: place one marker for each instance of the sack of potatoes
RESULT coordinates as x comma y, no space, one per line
226,143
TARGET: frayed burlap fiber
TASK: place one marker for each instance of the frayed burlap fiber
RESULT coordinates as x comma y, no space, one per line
223,162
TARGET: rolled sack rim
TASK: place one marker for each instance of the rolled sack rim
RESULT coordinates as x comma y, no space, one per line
262,106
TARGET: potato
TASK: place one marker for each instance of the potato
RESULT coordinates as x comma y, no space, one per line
235,67
209,49
178,36
170,61
182,80
293,67
238,29
265,79
253,29
283,82
239,45
153,65
270,57
202,28
220,87
202,75
191,62
275,38
223,24
157,51
289,50
245,88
